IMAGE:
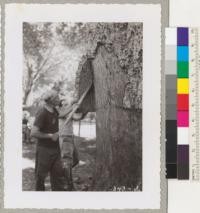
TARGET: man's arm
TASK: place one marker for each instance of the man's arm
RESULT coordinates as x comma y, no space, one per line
64,111
36,133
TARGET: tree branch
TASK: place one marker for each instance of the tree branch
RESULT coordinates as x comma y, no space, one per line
47,69
43,63
29,83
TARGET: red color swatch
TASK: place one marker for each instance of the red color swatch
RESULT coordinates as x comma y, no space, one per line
183,102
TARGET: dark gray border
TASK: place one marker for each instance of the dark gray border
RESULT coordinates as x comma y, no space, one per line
165,23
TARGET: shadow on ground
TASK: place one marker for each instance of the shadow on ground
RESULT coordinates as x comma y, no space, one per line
82,173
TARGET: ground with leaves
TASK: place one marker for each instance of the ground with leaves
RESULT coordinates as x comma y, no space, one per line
82,173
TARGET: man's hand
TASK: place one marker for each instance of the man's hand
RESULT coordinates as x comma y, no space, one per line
55,136
74,101
75,105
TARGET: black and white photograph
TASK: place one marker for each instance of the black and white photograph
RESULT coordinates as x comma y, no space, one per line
82,106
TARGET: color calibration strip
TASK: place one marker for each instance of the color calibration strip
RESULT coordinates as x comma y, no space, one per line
183,103
182,67
177,102
171,101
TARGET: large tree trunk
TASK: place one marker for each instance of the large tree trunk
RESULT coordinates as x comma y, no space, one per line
115,67
119,129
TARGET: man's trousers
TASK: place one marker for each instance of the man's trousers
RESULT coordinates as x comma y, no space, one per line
48,160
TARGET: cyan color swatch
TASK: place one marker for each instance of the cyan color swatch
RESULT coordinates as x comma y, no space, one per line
182,53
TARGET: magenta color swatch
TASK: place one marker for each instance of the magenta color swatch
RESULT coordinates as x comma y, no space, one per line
183,118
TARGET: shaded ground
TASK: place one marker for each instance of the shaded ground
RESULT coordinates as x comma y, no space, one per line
82,173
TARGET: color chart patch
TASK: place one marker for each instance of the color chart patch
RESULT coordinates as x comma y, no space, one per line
177,69
183,114
171,101
182,47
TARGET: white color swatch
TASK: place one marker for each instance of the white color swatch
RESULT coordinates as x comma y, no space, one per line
183,135
170,36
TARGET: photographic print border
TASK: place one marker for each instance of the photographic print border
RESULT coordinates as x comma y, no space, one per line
164,23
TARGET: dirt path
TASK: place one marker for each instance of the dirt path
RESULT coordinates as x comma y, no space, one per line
82,173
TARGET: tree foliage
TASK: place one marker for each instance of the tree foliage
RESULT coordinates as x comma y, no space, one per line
39,62
50,47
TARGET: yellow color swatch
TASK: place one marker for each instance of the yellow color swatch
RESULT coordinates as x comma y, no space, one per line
183,86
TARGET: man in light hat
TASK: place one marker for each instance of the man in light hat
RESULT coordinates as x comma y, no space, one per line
48,156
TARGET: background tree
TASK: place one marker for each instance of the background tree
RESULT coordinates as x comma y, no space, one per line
41,57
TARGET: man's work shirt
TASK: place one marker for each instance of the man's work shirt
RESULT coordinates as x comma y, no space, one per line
47,122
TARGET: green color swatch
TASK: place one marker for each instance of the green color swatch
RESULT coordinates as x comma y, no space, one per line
183,69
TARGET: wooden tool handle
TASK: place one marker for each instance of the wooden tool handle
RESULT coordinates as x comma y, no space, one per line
77,106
